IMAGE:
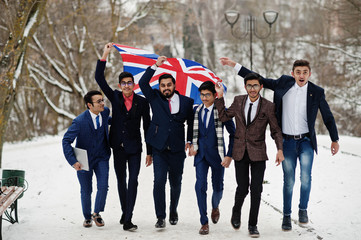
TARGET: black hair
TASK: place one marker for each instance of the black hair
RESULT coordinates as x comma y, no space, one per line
301,63
207,85
124,75
166,75
89,95
253,76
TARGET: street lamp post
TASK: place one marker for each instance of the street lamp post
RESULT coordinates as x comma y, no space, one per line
232,17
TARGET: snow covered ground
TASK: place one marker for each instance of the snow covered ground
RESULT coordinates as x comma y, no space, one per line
50,208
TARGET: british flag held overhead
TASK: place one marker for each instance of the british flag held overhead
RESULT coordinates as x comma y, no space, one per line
189,75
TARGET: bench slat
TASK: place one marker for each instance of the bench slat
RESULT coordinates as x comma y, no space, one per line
10,198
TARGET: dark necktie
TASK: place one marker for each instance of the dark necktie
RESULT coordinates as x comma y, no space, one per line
205,117
249,114
97,121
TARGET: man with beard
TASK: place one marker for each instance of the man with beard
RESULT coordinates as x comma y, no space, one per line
166,135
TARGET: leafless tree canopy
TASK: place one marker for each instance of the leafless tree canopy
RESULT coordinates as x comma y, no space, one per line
60,62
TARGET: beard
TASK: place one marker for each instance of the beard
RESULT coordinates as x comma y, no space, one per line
168,93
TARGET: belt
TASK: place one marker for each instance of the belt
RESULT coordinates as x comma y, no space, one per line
296,137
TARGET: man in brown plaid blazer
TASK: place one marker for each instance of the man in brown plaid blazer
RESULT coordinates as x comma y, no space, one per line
252,115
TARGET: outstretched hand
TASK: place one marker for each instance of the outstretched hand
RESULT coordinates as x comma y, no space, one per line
227,61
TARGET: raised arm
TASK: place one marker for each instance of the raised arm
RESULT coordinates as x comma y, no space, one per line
99,73
243,71
147,76
224,115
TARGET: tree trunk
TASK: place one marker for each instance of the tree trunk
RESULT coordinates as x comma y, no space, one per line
22,19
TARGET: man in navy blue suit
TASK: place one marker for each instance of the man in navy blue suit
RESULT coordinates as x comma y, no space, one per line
297,102
128,109
166,135
209,151
91,132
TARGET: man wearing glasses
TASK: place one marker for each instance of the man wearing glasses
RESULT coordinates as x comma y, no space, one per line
90,129
128,109
297,102
208,149
252,114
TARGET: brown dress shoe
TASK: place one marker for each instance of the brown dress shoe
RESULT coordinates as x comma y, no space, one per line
98,220
87,223
215,215
204,229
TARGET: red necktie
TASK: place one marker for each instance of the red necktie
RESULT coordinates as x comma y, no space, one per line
170,106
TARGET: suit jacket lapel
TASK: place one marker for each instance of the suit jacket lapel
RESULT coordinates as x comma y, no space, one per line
243,105
90,121
309,100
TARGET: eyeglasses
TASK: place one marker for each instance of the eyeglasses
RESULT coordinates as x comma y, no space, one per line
255,86
123,84
207,95
99,101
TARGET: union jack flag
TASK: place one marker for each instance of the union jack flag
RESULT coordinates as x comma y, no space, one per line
189,75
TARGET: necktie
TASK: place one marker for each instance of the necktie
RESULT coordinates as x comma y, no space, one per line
97,121
170,106
249,114
205,117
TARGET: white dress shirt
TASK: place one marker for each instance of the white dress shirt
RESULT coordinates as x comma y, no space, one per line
237,67
210,108
294,110
254,108
94,119
174,103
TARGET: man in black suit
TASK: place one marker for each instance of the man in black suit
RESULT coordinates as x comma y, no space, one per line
127,111
166,135
297,102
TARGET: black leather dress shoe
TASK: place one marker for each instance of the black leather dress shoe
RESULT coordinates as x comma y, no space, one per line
122,219
129,226
302,216
236,220
253,231
173,218
286,223
160,223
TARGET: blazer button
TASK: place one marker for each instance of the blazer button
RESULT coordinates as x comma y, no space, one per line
169,130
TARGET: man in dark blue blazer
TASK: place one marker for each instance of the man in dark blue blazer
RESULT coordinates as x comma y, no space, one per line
128,109
209,151
166,135
297,102
90,129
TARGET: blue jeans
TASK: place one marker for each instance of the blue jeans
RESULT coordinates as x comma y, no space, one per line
101,170
293,150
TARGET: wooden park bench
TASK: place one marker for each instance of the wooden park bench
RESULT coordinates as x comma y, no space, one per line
8,204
